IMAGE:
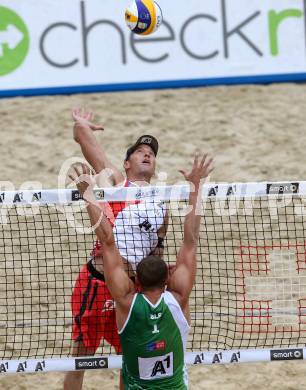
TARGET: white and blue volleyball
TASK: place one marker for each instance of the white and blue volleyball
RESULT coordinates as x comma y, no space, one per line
143,17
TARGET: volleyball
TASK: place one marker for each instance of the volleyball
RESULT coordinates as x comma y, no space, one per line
143,17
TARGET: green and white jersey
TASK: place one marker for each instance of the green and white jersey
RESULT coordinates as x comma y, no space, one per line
153,341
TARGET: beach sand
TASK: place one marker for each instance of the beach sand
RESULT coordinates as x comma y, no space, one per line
255,132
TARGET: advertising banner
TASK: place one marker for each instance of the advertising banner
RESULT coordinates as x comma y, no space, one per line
55,46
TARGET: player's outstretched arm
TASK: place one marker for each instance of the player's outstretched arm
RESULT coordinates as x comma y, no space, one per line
182,279
83,134
118,283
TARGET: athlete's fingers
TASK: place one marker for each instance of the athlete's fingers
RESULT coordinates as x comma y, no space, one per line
85,169
203,160
183,172
81,170
97,127
208,163
209,166
196,159
75,112
71,177
89,115
77,170
209,170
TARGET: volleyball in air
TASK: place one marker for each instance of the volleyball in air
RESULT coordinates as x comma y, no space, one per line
143,17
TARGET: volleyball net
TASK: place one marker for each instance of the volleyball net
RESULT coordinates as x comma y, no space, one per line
249,300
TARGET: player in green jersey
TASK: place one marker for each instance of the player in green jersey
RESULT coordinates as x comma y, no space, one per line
154,322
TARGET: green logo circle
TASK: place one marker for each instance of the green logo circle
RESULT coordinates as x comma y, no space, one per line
14,41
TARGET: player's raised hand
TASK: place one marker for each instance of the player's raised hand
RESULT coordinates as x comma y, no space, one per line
200,170
80,175
85,118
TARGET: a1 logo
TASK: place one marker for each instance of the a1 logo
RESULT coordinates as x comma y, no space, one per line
14,41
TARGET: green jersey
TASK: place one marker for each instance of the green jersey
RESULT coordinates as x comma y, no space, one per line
153,341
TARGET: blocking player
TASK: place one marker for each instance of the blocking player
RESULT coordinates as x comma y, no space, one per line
154,322
139,229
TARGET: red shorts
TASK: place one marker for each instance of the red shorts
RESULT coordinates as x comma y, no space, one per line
93,310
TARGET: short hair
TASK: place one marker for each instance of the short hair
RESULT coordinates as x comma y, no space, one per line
152,272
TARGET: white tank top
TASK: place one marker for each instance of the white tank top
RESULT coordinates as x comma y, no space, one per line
136,228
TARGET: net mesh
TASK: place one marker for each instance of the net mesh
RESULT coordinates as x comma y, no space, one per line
250,289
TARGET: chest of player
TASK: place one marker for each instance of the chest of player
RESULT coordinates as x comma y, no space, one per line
144,217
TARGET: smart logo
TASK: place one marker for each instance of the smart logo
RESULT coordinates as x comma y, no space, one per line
14,41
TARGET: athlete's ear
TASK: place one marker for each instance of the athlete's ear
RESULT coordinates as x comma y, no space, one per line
126,165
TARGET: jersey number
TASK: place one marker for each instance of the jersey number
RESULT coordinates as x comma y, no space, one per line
155,329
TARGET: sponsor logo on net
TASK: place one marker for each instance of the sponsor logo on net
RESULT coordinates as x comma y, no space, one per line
147,193
282,188
91,363
76,196
99,194
287,354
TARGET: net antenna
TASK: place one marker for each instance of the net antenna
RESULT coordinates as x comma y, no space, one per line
249,301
